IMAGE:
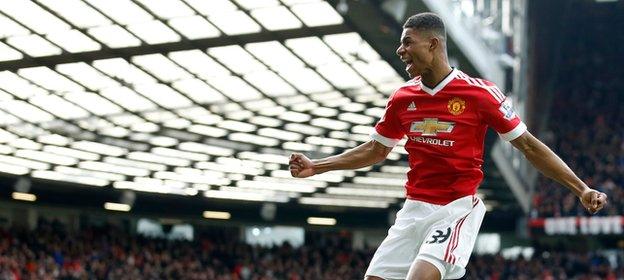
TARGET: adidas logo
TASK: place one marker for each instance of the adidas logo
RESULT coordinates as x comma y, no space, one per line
411,107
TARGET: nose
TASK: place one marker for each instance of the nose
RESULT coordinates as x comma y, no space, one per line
400,50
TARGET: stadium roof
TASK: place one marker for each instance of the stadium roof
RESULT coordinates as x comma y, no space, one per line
193,98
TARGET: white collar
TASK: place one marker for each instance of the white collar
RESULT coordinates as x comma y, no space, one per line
440,85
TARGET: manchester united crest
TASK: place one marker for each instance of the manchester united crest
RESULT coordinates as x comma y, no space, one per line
456,106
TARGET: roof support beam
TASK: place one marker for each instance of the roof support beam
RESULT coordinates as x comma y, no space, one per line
126,53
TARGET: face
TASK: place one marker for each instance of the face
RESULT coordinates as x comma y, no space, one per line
416,51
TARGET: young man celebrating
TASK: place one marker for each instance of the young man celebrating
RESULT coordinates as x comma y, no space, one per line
445,115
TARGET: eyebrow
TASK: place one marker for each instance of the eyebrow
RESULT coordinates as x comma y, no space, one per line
405,39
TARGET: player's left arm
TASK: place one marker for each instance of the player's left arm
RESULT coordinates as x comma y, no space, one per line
497,111
547,162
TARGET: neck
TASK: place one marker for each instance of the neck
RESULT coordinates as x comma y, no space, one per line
436,74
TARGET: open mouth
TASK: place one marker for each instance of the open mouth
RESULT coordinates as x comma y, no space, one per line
408,64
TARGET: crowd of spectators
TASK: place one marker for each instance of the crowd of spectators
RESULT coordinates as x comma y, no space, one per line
547,265
586,124
52,252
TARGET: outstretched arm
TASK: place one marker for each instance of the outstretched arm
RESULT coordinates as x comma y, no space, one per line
547,162
363,155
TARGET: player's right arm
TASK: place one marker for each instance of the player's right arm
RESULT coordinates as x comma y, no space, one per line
388,132
363,155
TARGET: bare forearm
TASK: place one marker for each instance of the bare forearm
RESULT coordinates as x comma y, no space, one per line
547,162
358,157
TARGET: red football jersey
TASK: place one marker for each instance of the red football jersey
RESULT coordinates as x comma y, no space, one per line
446,127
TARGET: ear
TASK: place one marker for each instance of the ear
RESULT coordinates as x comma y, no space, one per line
434,42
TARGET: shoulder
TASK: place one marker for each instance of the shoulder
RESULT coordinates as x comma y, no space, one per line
411,84
406,88
482,88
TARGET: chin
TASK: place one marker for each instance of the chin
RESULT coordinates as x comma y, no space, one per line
413,73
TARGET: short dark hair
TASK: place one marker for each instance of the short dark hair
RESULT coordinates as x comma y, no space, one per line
426,22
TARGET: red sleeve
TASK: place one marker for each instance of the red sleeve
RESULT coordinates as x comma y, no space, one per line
497,112
388,131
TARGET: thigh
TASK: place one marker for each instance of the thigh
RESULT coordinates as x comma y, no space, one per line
449,243
398,250
424,270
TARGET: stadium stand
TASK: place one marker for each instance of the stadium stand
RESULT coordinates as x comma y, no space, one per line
549,265
586,123
51,251
107,252
153,146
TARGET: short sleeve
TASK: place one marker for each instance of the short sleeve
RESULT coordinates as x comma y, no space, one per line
497,112
388,131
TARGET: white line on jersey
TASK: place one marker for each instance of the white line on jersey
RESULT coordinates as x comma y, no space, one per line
493,90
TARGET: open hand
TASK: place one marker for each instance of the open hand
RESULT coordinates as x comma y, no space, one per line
300,166
593,200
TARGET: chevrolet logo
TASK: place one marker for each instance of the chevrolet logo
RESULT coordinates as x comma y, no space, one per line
431,127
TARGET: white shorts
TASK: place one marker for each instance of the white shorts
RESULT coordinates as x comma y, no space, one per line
443,235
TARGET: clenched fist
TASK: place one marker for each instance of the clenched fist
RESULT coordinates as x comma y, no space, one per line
593,200
300,166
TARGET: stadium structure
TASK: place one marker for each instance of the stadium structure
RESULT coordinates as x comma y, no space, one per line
175,119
